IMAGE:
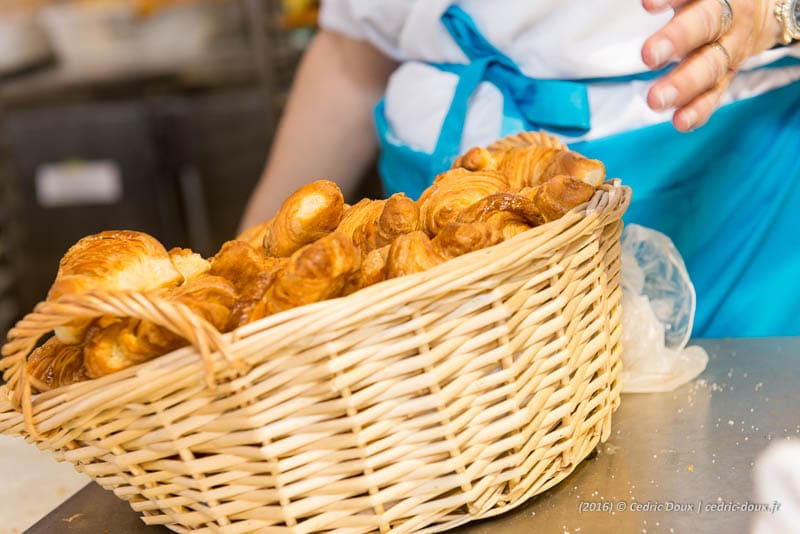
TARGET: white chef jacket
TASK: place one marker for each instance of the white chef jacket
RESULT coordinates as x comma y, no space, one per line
548,39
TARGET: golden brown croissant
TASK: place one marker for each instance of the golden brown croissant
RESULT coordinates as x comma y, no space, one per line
531,166
453,191
357,216
400,216
558,195
372,271
113,260
119,259
189,264
516,205
373,224
251,274
309,213
534,165
316,272
476,159
416,252
526,140
254,236
508,213
113,344
55,364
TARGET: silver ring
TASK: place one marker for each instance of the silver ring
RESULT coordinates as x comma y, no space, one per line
727,18
719,46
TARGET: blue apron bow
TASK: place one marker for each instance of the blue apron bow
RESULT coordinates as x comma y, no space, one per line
556,105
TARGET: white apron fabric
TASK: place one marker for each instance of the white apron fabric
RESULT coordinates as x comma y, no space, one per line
551,39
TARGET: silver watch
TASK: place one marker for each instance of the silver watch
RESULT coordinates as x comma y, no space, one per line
788,13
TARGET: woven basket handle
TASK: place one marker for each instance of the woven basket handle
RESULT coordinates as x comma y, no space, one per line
48,315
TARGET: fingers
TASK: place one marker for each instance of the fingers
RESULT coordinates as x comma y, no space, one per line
697,112
700,72
695,23
657,6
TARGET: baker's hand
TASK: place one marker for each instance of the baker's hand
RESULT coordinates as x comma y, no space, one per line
709,42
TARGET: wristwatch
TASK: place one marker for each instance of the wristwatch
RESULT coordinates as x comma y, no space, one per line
788,13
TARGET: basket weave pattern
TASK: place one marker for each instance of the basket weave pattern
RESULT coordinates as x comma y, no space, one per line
417,404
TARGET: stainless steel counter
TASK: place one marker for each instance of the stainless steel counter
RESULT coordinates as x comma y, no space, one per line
694,448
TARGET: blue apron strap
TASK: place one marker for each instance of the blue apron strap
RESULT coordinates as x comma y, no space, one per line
449,143
556,105
468,37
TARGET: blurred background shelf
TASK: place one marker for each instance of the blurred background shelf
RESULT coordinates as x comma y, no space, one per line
177,142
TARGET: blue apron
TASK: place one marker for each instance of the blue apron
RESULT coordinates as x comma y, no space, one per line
727,194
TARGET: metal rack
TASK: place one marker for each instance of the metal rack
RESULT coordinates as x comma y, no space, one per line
9,306
274,55
204,131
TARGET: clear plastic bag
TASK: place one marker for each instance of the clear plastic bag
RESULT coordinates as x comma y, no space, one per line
658,306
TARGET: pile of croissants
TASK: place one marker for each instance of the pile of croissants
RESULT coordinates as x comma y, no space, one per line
315,248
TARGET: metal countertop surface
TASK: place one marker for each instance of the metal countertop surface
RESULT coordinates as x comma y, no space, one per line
694,447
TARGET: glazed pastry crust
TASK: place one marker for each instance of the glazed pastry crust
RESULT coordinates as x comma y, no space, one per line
119,259
372,224
453,191
112,344
250,272
112,260
310,213
316,272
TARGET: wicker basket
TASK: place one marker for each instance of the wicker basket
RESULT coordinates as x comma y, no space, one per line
417,404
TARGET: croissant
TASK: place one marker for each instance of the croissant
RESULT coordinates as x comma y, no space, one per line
373,224
400,216
119,259
189,264
316,272
451,192
416,252
508,213
476,159
254,236
309,213
356,217
527,140
113,344
115,260
372,271
250,272
558,195
56,364
531,166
